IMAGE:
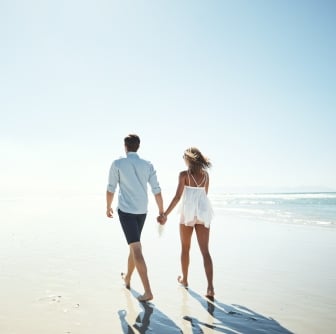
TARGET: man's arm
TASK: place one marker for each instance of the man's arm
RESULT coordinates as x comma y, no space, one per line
159,202
109,200
111,187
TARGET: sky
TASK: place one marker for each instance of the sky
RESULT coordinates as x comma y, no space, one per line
252,84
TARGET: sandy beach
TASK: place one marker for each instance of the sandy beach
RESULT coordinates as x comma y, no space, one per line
61,262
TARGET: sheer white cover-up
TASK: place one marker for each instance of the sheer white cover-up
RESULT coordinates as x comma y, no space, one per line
195,207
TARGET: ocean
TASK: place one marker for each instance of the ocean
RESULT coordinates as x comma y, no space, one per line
308,208
292,208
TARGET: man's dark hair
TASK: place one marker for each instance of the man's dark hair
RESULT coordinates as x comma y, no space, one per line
132,142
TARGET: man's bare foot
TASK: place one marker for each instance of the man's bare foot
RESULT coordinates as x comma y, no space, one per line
145,297
127,281
182,281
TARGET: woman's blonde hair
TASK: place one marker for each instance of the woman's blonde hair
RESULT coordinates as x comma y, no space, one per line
196,159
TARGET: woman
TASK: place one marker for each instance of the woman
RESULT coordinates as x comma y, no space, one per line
195,213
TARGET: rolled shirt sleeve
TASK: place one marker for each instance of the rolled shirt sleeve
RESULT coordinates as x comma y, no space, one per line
153,181
113,178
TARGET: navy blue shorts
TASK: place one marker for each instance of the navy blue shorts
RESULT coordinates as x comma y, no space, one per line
132,225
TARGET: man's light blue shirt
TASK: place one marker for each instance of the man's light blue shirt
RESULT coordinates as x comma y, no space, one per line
132,174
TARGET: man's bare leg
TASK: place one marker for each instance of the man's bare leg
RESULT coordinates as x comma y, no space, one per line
130,269
141,267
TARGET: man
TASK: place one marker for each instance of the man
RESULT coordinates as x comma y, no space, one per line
133,174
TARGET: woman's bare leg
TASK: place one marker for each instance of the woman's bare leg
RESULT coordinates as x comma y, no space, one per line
202,233
185,236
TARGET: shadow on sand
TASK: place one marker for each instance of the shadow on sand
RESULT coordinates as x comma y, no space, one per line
232,319
229,319
149,320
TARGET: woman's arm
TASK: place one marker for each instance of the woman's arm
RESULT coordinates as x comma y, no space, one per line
178,194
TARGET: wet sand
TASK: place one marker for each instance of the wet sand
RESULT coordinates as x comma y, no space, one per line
61,264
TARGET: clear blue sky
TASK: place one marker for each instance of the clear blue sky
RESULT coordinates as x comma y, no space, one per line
250,83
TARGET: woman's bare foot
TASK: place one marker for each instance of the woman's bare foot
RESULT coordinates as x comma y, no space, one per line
145,297
210,294
127,280
182,281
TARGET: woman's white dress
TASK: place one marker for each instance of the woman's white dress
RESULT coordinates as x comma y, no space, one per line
195,207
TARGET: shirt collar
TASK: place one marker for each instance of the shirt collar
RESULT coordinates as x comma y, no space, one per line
131,154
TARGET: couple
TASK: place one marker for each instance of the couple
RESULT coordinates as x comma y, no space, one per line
132,174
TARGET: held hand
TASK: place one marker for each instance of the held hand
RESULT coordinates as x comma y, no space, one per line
161,219
109,213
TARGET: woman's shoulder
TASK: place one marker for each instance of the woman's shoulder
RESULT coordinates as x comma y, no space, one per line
206,173
183,174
